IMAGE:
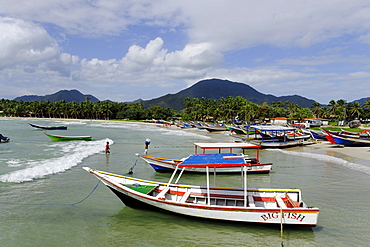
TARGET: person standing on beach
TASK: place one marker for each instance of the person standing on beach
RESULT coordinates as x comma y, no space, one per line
147,142
107,148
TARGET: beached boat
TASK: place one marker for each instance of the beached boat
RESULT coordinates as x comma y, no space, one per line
215,128
274,136
346,140
363,133
316,134
4,139
48,127
269,206
237,130
68,138
225,155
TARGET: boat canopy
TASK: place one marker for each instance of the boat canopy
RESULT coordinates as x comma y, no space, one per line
214,160
223,145
272,128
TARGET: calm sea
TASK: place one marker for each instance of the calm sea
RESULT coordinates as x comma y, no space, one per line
47,199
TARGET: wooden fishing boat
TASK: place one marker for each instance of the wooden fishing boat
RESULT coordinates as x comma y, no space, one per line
273,136
68,138
225,155
317,134
268,206
237,130
215,128
363,133
346,140
48,127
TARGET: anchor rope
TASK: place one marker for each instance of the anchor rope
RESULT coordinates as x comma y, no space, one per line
53,204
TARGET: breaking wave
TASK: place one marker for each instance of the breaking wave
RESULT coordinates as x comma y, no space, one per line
72,155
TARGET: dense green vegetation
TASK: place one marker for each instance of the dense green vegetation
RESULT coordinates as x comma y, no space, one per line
84,110
197,109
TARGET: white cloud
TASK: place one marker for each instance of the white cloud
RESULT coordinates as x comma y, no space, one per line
364,38
24,42
68,59
29,54
152,62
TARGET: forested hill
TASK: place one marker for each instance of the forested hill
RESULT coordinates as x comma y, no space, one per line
67,95
217,88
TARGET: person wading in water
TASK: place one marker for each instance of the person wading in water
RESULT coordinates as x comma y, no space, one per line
147,142
107,148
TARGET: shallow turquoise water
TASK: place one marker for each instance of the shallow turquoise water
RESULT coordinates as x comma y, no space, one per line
40,179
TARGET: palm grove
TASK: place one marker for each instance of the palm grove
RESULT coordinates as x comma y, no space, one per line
196,109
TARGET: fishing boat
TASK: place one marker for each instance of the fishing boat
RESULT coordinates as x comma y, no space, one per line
4,139
317,134
346,140
237,130
268,206
48,127
225,155
274,136
363,133
68,138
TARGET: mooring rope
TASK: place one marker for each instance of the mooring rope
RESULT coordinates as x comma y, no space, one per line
131,170
48,204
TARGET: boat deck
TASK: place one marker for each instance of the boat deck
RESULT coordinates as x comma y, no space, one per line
262,200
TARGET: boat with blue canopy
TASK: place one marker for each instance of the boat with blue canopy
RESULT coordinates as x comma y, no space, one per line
222,153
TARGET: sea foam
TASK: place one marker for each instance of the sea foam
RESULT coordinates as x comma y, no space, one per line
72,155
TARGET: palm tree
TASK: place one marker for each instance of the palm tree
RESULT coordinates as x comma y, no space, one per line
316,108
332,108
355,110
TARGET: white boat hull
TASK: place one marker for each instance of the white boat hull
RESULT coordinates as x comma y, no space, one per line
257,206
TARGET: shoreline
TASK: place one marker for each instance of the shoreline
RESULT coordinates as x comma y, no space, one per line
350,154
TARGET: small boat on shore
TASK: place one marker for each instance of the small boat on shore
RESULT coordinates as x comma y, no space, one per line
252,205
222,157
317,134
4,139
346,139
48,127
68,138
215,128
273,136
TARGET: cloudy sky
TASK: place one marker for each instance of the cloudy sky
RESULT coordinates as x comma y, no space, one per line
123,50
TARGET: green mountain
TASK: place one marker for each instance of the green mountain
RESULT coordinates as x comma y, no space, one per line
67,95
361,101
216,88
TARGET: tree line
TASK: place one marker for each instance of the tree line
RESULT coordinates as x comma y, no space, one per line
232,108
196,109
86,109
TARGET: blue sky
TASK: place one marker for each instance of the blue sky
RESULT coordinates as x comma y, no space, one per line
126,50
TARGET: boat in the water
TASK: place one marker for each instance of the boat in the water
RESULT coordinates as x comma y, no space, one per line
4,139
252,205
225,155
68,138
48,127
